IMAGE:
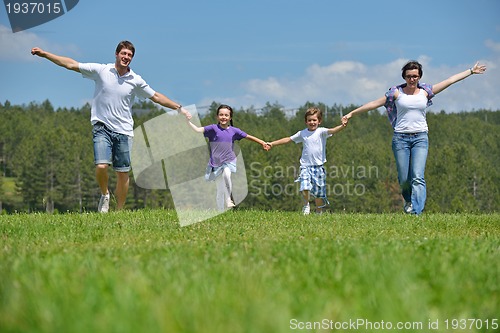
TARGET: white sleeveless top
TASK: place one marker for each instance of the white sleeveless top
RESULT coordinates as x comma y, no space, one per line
411,113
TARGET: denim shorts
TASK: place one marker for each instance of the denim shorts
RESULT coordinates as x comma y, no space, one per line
111,148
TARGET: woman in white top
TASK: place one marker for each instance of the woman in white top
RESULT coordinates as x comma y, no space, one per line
406,107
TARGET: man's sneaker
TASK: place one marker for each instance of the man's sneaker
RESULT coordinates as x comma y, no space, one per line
230,204
306,209
408,208
103,204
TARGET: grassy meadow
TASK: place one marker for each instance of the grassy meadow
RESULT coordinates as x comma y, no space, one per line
249,271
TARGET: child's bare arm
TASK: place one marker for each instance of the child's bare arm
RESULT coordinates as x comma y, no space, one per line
196,128
338,128
259,141
281,141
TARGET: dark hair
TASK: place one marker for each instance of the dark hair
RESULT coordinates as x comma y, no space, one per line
125,44
312,112
412,64
225,106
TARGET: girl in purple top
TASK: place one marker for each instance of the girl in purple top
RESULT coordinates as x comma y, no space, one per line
221,137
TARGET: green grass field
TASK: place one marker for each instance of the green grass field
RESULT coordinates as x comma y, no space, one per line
249,271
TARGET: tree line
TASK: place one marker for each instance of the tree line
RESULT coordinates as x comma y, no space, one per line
46,160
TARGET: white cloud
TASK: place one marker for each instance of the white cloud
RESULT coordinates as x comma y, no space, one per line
495,46
350,82
271,86
17,46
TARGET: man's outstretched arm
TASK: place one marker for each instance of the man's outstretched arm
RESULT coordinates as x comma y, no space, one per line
65,62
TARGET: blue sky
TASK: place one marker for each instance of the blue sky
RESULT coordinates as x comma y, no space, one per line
247,53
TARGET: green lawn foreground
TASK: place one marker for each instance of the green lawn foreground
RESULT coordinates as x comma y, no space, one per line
249,271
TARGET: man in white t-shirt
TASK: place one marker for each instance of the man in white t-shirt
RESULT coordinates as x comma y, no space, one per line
312,175
116,86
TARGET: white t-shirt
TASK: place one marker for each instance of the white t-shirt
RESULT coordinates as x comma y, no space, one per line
314,145
411,113
114,96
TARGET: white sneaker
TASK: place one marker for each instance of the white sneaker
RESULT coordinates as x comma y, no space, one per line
306,209
103,204
408,208
230,204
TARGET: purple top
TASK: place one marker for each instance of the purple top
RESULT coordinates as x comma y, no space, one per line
222,142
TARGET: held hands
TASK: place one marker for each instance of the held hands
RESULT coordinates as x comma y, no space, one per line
345,120
186,113
266,146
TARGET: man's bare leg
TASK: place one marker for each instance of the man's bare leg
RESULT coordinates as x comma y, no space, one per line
122,184
101,175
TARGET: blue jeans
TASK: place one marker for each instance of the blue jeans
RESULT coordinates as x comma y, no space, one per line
410,151
111,148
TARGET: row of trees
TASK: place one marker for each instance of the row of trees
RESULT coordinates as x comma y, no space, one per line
46,161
